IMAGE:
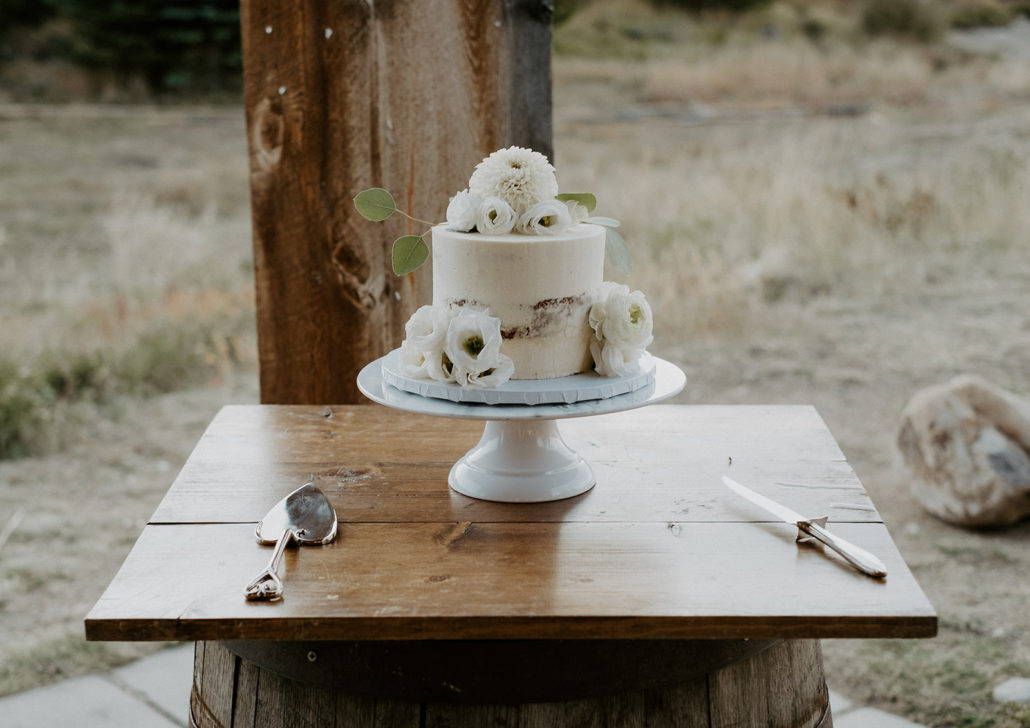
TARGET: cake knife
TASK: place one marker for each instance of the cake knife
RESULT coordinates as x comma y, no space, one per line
814,528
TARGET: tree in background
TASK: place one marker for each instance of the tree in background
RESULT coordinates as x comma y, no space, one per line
172,45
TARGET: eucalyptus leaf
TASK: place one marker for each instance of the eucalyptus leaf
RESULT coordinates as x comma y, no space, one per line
586,199
409,252
609,222
617,250
375,204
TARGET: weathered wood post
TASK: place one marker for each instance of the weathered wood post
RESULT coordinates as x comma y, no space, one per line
345,95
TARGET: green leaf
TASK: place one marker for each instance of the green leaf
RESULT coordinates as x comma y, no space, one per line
409,252
610,222
375,204
586,199
617,250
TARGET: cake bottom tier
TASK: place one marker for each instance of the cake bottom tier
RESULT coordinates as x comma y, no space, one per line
550,357
547,339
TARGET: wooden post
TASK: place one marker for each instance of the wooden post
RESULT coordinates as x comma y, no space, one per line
343,95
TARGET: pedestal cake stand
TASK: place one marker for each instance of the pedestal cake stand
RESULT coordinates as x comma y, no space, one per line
521,457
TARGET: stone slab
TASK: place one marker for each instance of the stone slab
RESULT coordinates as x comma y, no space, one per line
163,679
872,718
839,704
85,702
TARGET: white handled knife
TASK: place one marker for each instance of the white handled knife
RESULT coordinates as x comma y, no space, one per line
813,528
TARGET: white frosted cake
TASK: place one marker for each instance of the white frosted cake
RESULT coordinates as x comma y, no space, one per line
539,286
518,288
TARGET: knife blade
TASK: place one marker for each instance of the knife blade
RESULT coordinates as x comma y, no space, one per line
813,528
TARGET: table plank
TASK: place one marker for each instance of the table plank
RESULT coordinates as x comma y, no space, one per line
379,465
512,580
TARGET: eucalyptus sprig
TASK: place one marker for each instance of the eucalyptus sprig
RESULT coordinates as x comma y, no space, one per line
410,252
614,243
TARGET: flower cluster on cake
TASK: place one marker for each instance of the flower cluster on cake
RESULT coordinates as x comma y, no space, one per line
518,289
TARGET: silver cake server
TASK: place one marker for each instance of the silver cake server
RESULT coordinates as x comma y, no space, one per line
305,517
814,529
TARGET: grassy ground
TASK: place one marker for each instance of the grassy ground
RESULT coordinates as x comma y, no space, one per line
128,319
814,221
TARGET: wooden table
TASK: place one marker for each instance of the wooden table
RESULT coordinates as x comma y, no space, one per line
658,556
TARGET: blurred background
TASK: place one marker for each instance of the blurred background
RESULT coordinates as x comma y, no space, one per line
827,202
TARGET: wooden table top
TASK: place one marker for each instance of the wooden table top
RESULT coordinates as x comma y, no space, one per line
658,549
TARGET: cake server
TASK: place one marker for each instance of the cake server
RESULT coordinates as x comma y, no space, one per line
814,529
306,517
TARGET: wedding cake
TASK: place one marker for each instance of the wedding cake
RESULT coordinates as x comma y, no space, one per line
518,289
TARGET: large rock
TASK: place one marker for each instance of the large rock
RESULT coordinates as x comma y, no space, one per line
965,449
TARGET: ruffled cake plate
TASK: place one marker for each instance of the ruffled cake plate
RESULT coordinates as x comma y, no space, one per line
521,457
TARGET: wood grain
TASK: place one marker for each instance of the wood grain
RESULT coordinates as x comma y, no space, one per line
342,96
512,580
379,465
468,671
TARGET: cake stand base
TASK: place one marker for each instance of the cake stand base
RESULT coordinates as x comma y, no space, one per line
521,457
521,461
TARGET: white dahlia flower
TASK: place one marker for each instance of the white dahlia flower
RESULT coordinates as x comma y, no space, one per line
519,176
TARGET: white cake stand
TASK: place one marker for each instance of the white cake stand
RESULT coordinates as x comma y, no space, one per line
521,457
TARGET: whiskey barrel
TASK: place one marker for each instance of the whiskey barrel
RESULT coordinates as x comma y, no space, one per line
529,684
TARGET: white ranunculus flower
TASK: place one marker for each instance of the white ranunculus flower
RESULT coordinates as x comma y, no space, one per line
422,351
494,216
519,176
623,328
473,346
549,217
461,212
611,361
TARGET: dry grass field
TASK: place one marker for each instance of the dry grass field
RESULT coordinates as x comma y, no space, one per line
834,223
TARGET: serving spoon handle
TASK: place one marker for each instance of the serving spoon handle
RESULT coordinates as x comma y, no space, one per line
267,585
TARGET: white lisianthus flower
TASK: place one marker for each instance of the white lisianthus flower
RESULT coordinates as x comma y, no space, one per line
427,327
549,217
473,346
422,351
623,328
577,212
425,364
461,212
494,216
495,376
519,176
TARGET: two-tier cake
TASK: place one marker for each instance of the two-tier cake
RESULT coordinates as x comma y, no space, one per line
518,285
